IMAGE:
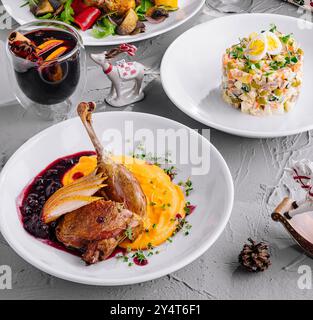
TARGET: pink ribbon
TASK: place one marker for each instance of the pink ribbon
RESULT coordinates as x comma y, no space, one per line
129,49
300,179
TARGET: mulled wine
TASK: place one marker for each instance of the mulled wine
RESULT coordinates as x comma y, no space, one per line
46,64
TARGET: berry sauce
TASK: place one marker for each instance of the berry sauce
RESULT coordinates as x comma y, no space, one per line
34,196
140,262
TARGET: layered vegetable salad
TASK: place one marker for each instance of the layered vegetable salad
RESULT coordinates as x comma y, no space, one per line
262,74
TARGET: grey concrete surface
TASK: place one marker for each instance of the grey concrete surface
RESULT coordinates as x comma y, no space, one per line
260,182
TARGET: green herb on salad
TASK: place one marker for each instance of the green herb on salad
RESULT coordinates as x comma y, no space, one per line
237,52
103,28
67,14
142,9
46,16
285,38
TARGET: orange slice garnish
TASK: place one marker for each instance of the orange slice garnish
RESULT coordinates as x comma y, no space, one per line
57,53
48,45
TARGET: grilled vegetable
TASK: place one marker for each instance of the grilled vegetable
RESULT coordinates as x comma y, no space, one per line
156,15
78,6
87,18
129,23
44,7
120,6
56,4
33,5
167,3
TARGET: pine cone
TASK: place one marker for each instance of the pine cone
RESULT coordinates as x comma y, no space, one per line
255,256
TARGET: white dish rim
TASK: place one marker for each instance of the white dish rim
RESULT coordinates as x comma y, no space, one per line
162,272
120,39
237,132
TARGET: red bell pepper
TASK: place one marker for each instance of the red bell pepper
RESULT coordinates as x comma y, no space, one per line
87,18
78,6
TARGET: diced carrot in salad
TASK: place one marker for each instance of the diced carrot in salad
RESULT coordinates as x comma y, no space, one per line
262,74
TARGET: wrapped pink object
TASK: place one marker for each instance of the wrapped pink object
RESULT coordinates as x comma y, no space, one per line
305,4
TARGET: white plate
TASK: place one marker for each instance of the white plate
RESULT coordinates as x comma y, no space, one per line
187,9
213,196
191,74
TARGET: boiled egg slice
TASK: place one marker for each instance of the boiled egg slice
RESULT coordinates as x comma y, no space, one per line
274,45
257,48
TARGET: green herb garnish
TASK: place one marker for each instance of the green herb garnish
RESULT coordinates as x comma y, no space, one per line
237,52
140,256
187,186
273,98
171,172
285,38
294,59
273,28
245,87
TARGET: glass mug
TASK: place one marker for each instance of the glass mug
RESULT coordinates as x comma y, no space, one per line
52,88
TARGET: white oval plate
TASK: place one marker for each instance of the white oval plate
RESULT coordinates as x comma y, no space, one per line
191,74
213,196
187,9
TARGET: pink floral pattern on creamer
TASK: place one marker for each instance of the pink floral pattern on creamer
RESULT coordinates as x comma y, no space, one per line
127,70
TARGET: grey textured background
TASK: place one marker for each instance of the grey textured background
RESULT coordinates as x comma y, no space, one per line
260,182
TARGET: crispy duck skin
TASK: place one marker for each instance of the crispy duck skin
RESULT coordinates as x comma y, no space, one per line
97,229
122,186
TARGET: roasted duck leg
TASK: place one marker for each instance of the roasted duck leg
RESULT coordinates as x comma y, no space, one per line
122,186
98,228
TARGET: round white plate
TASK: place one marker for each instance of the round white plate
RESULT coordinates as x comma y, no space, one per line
213,196
191,74
187,9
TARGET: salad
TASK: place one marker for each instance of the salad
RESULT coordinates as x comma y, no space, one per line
104,17
262,74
